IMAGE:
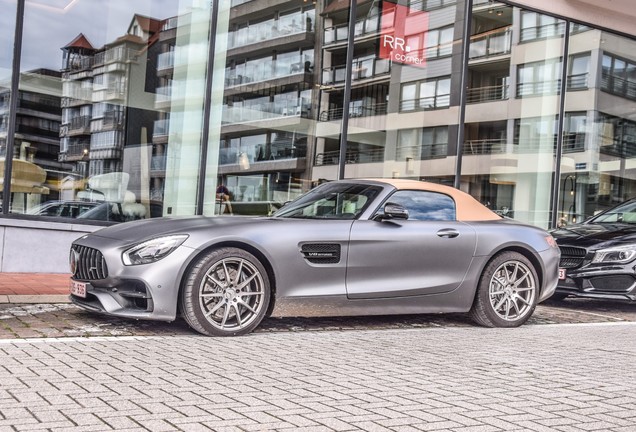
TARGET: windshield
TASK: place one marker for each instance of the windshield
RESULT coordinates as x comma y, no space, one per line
331,201
623,213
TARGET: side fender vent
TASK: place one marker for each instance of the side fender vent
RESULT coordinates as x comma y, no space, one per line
321,253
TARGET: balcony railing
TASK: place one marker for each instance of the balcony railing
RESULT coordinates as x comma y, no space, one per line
362,69
340,32
493,43
537,88
354,111
267,71
158,163
164,94
271,29
487,94
165,60
556,29
351,157
618,86
426,103
485,146
278,150
79,124
161,127
578,81
265,111
422,152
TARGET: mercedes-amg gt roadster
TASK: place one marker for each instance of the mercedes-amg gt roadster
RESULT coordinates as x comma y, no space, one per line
348,247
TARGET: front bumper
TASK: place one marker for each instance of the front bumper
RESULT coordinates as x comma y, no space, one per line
148,291
609,282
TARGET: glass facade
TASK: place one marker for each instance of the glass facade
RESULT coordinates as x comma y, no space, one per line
130,110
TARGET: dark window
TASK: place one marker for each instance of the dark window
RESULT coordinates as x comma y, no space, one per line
424,205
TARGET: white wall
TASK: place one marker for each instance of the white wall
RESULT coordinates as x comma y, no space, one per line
37,247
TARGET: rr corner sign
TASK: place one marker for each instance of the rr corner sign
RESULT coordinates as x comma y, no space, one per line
403,34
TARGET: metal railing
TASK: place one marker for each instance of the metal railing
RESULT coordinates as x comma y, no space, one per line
556,29
362,69
491,43
351,157
487,94
426,103
354,111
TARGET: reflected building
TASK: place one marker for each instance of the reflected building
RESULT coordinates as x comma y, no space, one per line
269,101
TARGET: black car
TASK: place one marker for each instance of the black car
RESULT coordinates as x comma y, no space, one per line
598,256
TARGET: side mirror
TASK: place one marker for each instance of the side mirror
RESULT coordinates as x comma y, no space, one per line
395,211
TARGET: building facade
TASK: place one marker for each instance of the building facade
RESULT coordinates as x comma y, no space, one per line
133,110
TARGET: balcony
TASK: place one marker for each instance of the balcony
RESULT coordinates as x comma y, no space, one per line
165,61
551,30
75,152
267,71
265,152
618,86
351,157
425,103
271,30
487,94
496,42
485,146
578,81
354,111
362,69
79,125
340,33
422,152
538,88
158,164
300,107
160,129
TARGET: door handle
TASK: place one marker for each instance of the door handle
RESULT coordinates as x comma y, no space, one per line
448,232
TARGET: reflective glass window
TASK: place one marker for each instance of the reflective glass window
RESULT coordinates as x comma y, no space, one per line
110,108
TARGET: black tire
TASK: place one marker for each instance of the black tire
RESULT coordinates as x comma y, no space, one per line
507,292
226,293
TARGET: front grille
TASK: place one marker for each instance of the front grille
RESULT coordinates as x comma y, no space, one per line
572,257
617,283
89,263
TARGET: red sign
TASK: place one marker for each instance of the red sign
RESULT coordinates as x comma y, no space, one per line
403,34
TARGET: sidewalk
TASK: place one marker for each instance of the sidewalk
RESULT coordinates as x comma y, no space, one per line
34,287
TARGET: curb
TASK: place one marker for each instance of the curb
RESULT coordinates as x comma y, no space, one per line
34,299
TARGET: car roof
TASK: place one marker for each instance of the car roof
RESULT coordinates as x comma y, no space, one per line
467,208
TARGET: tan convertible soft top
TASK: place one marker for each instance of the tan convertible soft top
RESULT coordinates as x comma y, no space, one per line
467,207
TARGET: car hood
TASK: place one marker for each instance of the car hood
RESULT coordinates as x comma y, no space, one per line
135,231
596,234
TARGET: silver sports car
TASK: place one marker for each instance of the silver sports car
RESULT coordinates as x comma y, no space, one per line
350,247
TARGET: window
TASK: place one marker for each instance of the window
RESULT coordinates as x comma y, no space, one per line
424,205
425,95
421,144
579,72
539,78
619,76
539,26
439,42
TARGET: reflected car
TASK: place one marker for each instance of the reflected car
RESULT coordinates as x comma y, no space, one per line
122,212
71,209
598,256
349,247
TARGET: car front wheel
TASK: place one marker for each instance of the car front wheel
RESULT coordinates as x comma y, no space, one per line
507,291
226,293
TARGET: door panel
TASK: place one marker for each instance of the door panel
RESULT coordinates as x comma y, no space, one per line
408,258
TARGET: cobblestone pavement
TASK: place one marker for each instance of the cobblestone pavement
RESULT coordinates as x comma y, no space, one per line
570,369
561,378
63,320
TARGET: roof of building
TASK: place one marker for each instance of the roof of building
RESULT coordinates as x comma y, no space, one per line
80,41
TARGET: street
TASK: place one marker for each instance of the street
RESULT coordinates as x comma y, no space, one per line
566,370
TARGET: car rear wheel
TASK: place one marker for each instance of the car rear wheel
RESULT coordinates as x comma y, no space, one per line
226,293
507,292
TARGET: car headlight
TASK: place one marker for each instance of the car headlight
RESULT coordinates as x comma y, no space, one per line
618,255
152,250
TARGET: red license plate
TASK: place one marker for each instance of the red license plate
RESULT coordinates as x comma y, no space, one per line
561,273
78,288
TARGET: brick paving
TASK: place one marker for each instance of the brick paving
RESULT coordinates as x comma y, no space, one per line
565,378
570,369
